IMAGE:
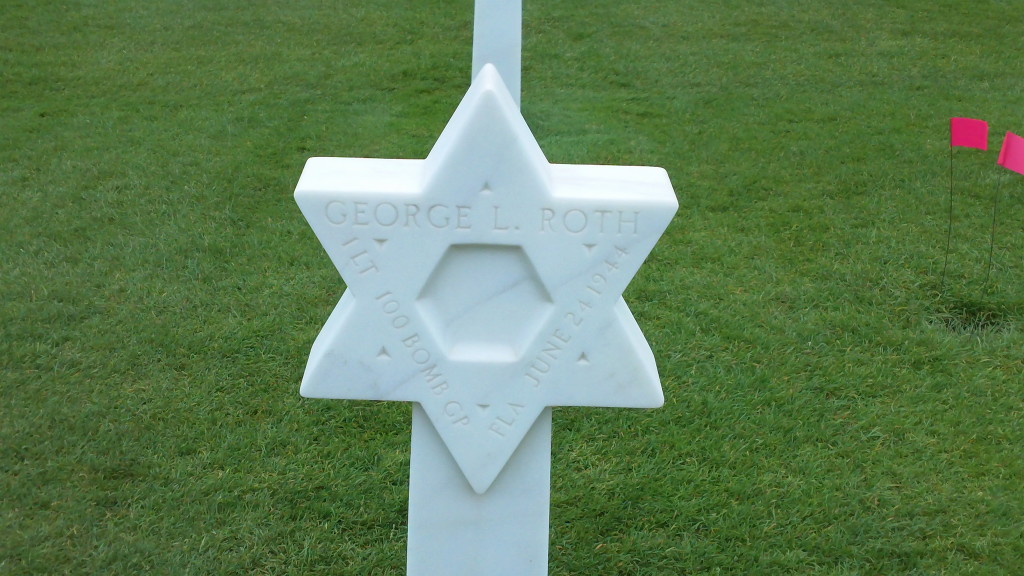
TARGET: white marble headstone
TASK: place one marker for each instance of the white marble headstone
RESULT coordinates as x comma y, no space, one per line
483,283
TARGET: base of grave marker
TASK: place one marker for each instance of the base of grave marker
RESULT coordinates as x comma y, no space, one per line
453,531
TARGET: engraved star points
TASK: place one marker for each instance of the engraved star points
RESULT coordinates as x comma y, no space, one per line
483,282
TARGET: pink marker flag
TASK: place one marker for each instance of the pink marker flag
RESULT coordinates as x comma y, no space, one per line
1011,155
968,133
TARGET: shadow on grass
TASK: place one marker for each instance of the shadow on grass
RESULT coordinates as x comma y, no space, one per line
973,315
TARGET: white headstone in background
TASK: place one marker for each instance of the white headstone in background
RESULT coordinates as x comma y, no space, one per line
484,285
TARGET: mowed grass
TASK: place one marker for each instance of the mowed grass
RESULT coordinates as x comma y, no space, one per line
830,408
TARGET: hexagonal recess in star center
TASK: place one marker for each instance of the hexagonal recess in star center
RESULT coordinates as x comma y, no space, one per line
484,302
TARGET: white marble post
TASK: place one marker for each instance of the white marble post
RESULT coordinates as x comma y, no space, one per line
455,531
498,40
447,518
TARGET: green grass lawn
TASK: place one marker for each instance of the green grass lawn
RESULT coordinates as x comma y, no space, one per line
829,409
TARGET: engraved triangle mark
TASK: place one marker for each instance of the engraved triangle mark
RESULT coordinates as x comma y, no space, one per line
583,359
383,354
590,248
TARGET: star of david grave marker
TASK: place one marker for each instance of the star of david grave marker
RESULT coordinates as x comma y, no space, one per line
484,285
